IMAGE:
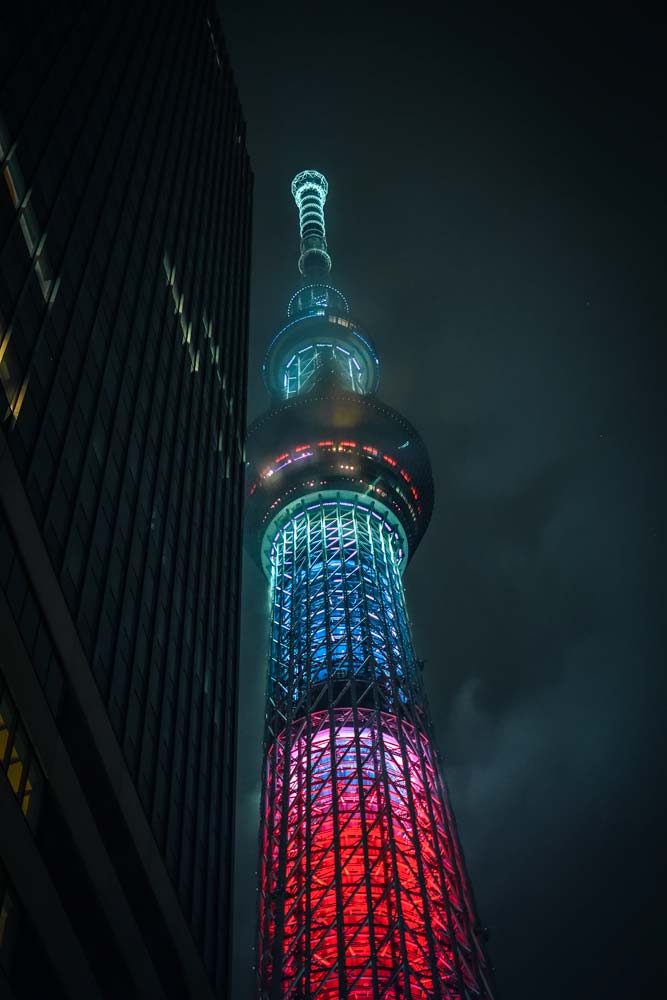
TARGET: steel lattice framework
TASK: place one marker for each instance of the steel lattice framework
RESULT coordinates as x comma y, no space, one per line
338,605
363,889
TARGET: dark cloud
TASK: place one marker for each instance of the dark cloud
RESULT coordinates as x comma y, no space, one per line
496,221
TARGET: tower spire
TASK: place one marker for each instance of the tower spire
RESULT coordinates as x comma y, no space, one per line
309,189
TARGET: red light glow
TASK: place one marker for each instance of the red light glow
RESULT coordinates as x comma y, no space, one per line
302,451
362,866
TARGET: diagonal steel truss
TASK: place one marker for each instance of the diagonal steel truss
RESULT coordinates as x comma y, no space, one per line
363,893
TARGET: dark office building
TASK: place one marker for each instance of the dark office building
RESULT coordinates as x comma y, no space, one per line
125,202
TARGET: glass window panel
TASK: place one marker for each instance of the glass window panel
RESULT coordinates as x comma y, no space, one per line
6,723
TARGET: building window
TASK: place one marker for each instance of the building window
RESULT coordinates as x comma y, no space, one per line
18,760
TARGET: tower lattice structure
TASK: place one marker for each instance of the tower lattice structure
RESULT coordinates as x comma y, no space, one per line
363,889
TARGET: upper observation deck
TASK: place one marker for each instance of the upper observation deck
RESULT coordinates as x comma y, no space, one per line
320,344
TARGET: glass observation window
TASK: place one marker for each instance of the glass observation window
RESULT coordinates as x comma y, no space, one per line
318,361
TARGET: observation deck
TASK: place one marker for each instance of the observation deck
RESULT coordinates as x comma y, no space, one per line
336,442
320,340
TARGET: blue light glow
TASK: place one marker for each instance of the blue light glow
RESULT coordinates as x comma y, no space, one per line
338,602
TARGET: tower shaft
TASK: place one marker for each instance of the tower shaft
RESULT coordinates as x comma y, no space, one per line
362,888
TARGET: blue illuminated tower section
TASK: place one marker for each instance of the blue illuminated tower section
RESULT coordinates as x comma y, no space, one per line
363,889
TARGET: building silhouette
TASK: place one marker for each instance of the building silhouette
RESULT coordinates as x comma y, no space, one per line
363,888
125,200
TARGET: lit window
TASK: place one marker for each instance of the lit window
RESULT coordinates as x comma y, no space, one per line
6,723
18,760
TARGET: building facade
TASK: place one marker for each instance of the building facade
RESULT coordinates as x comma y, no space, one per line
125,202
363,888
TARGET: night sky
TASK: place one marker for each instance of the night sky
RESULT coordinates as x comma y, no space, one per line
496,220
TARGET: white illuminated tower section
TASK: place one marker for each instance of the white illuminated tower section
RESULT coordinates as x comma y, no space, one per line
363,889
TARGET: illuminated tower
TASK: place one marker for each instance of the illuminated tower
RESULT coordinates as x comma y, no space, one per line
363,889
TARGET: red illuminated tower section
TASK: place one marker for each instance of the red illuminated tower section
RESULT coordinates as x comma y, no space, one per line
363,889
